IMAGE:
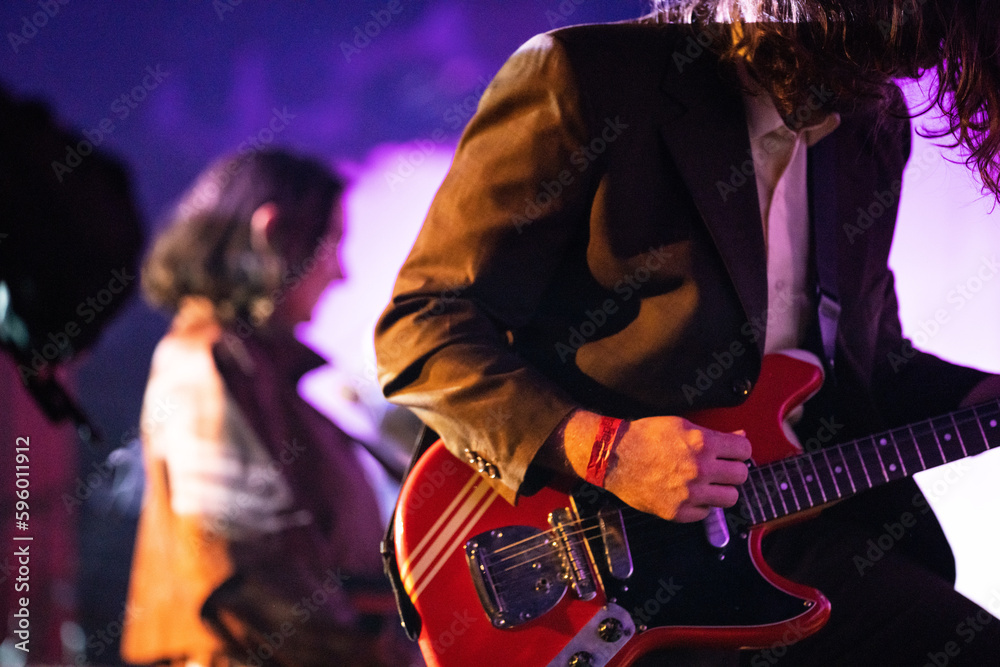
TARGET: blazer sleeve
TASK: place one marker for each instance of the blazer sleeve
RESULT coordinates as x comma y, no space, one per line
907,384
911,384
488,248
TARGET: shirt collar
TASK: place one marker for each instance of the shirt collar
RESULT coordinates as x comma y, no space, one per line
763,118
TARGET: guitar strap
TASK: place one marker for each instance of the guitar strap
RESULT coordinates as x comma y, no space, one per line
823,213
408,615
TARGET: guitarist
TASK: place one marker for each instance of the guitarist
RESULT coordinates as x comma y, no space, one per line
632,220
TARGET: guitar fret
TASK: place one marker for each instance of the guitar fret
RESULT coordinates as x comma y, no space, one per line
804,478
864,468
895,446
877,449
847,468
993,423
812,481
944,458
756,493
970,431
909,454
765,489
928,443
819,481
791,485
917,448
982,431
747,506
833,476
892,464
756,479
767,493
779,490
951,446
958,433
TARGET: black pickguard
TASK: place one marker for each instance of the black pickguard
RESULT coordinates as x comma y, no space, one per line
679,579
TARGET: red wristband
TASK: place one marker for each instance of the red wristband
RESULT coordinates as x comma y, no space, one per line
600,455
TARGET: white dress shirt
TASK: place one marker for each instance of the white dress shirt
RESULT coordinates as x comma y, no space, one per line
779,156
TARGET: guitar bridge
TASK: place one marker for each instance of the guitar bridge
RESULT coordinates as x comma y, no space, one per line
519,573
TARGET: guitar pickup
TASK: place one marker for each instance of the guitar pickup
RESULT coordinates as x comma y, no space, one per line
616,549
591,503
566,526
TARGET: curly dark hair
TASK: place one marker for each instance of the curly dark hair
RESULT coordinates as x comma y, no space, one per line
207,248
856,48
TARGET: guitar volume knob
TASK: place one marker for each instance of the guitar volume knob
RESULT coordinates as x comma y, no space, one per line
742,386
610,630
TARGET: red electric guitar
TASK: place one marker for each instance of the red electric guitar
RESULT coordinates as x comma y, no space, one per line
572,577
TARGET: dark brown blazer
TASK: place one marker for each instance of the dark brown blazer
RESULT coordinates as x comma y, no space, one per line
598,243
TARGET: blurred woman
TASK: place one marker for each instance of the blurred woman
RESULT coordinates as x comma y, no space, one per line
258,541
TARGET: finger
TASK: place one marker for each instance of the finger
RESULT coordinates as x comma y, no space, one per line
689,514
713,495
721,471
733,447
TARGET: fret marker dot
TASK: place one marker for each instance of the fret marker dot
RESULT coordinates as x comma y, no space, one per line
993,423
883,442
892,467
947,436
809,478
838,470
784,486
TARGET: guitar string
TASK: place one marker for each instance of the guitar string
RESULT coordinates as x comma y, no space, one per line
553,531
639,519
675,543
548,535
493,571
551,534
765,488
758,484
975,415
753,482
743,495
970,416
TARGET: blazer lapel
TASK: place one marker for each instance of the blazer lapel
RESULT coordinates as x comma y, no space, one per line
706,131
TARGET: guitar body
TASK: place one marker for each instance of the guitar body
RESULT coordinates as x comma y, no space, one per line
670,585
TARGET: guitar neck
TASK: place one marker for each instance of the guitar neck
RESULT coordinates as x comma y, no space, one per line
815,478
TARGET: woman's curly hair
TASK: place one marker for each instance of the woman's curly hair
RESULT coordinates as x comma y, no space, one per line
857,47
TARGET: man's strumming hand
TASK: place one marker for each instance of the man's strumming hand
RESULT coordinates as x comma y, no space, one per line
665,466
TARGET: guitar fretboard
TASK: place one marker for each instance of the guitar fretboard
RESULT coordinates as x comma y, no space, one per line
801,482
